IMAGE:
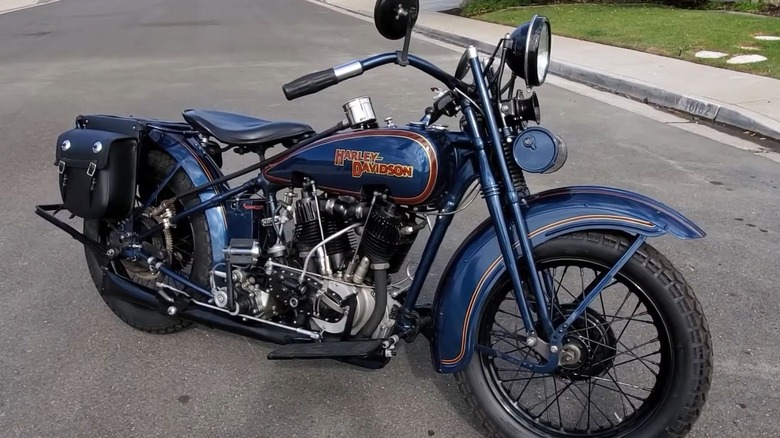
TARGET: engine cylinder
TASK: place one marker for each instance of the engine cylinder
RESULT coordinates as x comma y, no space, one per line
383,240
307,228
308,233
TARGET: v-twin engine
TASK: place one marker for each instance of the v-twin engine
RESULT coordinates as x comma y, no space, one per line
333,274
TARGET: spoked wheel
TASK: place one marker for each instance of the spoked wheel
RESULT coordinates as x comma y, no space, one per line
189,252
637,362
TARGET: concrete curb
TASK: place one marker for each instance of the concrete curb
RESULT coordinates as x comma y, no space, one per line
726,114
721,113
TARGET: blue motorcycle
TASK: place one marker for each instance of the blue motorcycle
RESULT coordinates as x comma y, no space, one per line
555,315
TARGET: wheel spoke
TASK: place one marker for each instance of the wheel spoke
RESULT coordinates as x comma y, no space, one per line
521,379
503,339
557,401
638,303
528,382
628,294
640,358
546,397
645,313
595,406
554,299
619,383
510,335
631,353
605,348
561,286
590,402
622,393
508,313
582,413
517,371
615,390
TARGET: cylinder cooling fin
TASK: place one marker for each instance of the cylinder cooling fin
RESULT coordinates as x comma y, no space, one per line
388,236
307,227
308,232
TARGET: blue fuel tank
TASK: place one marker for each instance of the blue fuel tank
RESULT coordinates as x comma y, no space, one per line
409,163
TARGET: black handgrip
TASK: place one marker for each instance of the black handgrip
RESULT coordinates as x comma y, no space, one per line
310,84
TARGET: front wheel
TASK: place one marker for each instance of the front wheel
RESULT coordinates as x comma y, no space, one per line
638,362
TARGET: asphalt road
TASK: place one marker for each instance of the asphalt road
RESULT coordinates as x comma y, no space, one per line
69,368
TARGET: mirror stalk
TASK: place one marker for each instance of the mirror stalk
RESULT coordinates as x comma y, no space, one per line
402,58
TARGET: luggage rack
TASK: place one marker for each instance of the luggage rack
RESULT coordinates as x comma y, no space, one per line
49,212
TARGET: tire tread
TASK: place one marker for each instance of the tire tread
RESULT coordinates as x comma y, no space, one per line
687,304
161,161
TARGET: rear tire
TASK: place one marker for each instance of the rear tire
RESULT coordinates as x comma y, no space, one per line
157,165
675,405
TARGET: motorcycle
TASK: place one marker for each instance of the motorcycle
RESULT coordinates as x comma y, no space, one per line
311,252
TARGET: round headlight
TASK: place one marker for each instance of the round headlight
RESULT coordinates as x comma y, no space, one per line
528,50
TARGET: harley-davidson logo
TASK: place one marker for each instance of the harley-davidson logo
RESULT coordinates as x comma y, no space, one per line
367,162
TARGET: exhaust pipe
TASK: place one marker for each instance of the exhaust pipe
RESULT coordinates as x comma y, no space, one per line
117,286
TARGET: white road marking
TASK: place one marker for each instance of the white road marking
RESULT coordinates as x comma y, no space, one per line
8,6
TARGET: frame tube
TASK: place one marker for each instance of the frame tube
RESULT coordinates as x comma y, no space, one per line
249,185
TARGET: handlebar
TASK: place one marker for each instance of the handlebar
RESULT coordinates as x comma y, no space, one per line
318,81
310,84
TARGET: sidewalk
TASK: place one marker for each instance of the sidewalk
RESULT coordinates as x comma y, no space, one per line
738,99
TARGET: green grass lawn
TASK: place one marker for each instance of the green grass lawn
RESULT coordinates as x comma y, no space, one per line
678,33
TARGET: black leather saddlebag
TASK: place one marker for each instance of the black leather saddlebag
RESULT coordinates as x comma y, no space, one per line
97,173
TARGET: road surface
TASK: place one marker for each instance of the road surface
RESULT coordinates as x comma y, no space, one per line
69,368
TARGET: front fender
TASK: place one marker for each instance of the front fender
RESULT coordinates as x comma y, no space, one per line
477,264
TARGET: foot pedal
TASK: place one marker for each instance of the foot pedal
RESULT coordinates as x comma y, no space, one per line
326,350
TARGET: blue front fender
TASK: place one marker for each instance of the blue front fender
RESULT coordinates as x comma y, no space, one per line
477,264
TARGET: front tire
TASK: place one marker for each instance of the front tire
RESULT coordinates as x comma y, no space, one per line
684,357
191,244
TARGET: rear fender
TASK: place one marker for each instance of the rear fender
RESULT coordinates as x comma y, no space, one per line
201,170
477,264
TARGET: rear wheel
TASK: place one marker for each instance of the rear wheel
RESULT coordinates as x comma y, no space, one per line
637,362
190,254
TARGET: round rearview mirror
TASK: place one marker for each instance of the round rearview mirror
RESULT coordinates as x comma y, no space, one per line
528,54
390,17
463,66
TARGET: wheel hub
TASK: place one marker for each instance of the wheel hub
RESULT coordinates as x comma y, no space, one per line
157,240
589,348
571,356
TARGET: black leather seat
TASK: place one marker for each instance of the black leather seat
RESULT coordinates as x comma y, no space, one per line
237,129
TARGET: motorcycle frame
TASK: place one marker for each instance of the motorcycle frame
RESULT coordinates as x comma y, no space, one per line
512,235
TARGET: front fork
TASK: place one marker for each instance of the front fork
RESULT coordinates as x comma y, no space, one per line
491,192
